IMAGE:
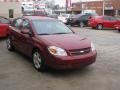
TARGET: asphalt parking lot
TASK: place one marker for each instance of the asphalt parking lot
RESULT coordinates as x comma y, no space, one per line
17,73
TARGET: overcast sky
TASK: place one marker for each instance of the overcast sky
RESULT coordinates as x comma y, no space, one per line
62,2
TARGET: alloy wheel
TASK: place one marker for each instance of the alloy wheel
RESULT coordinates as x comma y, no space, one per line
37,61
99,26
9,44
81,24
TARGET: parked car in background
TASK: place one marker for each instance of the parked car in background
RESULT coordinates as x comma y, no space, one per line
102,22
35,13
53,15
27,7
4,24
64,18
50,43
41,12
80,19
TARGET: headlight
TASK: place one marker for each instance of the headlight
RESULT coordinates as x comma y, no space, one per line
92,47
57,51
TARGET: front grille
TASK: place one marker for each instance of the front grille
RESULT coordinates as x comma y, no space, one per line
80,51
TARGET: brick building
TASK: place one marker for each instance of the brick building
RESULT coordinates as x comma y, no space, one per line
112,7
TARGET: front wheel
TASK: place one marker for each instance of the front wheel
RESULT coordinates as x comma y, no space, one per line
71,25
99,26
38,62
10,47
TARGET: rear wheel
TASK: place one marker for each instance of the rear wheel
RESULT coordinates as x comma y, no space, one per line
38,62
10,47
99,26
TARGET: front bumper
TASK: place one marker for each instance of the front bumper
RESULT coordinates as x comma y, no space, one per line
71,62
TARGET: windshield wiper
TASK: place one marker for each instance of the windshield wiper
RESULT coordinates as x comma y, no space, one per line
60,33
52,33
44,34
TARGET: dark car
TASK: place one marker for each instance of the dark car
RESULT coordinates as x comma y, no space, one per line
4,24
50,43
80,19
103,22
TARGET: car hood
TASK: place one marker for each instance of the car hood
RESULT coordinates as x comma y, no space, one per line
67,41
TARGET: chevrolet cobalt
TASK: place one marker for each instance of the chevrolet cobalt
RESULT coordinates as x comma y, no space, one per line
50,43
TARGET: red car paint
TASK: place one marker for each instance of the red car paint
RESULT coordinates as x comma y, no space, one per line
3,27
72,43
3,30
106,21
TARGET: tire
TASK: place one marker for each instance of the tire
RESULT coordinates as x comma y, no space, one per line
81,24
10,47
119,30
38,61
71,25
100,27
93,27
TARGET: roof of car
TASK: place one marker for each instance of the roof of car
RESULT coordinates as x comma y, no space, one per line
38,18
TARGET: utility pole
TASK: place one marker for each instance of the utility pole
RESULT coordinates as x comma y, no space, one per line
103,7
66,6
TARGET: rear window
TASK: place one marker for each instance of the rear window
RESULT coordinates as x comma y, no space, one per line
4,20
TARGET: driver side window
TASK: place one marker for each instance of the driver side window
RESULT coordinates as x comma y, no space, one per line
26,24
17,23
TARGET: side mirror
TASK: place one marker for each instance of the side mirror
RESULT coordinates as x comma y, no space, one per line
26,31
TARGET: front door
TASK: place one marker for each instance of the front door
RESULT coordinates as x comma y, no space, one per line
16,32
26,39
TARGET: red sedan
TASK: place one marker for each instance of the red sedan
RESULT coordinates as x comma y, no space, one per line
103,22
50,43
4,24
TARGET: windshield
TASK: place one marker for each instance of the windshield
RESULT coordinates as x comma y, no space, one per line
48,27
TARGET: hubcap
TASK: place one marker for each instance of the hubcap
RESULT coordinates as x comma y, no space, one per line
100,27
8,43
81,24
37,60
